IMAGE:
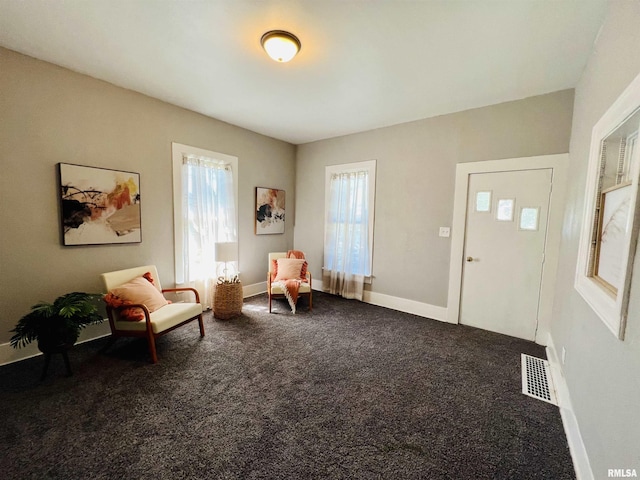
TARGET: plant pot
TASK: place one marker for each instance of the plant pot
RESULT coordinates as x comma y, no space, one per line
57,343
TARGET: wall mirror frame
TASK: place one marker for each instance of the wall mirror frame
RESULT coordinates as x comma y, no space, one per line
611,220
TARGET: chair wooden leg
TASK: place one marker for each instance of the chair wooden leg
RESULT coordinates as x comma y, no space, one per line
310,301
201,322
152,347
269,303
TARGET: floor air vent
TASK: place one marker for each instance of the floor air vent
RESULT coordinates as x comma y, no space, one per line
536,379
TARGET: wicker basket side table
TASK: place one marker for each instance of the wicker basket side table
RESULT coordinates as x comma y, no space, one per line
227,302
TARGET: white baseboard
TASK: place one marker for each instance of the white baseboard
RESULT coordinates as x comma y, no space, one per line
8,354
569,421
407,306
254,289
401,304
380,299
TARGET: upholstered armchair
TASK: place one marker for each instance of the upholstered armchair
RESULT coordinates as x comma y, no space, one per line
136,306
276,281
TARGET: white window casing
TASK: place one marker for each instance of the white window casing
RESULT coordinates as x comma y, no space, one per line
360,180
180,154
613,173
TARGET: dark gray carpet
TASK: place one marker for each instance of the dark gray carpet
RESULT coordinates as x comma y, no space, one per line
349,391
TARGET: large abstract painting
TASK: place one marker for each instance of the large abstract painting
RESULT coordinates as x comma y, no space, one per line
99,206
269,211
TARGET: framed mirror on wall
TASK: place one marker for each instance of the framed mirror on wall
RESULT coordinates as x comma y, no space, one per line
610,227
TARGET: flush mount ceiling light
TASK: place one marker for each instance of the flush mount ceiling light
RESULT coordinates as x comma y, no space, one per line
280,45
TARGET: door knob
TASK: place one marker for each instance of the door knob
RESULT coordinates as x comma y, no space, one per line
469,259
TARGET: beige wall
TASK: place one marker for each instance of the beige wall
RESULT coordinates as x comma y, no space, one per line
48,115
602,373
415,182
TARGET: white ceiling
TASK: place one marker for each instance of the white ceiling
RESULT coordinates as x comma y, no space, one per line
363,64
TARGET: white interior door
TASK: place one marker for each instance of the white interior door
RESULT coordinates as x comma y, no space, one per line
504,250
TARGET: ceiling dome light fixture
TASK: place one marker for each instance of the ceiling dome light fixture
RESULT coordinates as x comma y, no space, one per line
280,45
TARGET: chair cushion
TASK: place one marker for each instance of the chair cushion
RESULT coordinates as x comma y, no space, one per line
277,290
163,319
290,268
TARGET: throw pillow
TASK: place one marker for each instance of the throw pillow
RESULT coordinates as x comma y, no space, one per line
133,314
140,290
291,268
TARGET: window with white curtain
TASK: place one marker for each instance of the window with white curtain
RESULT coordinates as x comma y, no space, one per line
205,199
349,214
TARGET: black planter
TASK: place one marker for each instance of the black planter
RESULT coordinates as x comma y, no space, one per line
60,342
55,344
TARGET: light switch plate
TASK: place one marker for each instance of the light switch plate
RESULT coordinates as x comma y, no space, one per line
445,231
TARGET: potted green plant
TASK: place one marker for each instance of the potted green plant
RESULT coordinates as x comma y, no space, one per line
56,326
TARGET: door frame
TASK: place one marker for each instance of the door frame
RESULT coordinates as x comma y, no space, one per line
559,165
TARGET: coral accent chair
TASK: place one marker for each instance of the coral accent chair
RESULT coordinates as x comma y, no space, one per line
275,291
156,323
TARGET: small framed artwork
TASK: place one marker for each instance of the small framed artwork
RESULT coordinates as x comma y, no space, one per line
99,206
269,211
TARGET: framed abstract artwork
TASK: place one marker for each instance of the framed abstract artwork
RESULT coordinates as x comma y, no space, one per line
99,206
269,211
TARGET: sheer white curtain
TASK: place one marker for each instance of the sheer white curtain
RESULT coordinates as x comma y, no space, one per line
346,247
208,209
